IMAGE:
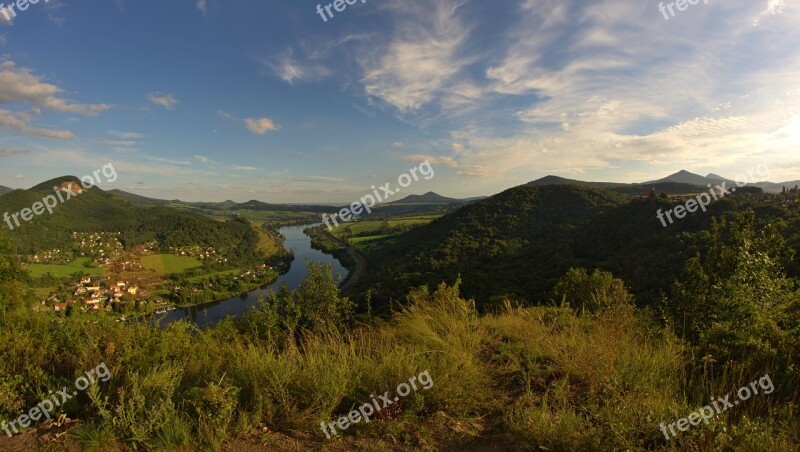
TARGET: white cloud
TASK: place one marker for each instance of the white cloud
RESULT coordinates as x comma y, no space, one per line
774,8
165,100
20,122
292,70
421,60
125,135
432,159
202,5
244,168
227,115
624,89
53,9
260,126
19,85
202,158
5,152
170,161
117,143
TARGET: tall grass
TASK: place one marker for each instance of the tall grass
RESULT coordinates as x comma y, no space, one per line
528,378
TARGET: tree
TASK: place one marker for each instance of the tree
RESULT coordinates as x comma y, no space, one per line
12,276
728,302
585,293
316,305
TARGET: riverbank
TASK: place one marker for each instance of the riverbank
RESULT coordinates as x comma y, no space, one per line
297,244
350,257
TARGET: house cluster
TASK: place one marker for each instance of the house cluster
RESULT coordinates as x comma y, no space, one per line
102,247
89,293
790,195
206,254
54,256
149,248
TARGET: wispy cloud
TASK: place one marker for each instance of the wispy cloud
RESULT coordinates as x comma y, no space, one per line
227,115
170,161
292,70
202,5
125,135
167,101
595,97
21,123
774,8
6,152
19,85
423,57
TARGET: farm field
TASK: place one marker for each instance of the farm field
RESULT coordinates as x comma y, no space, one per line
198,279
269,217
169,263
62,271
370,231
376,226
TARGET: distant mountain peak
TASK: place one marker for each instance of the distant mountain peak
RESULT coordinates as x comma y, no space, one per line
685,177
427,198
684,173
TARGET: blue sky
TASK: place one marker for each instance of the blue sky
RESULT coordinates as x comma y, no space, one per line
260,99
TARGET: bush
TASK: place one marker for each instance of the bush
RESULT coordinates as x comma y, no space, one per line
591,294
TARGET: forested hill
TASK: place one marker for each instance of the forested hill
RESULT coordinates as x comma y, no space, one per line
477,240
520,242
138,200
4,190
665,186
97,211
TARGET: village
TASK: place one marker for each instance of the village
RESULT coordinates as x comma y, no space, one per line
100,275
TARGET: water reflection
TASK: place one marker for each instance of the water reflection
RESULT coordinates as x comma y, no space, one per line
300,244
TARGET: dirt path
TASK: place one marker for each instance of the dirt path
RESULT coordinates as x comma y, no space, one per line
361,266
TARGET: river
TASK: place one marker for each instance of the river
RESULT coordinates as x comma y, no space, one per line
299,244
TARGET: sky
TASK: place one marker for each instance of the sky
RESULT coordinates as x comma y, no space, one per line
262,99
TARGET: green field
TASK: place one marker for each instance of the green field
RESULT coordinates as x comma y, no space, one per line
63,271
360,227
260,217
374,230
169,263
198,279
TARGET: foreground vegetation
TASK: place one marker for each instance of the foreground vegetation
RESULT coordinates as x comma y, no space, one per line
588,372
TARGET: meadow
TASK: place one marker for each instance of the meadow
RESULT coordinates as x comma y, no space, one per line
363,234
64,270
166,264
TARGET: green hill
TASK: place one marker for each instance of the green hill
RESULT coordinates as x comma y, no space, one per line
665,185
686,177
4,190
518,243
258,205
483,241
427,198
98,211
138,200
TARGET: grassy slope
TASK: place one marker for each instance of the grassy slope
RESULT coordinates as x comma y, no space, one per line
521,379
